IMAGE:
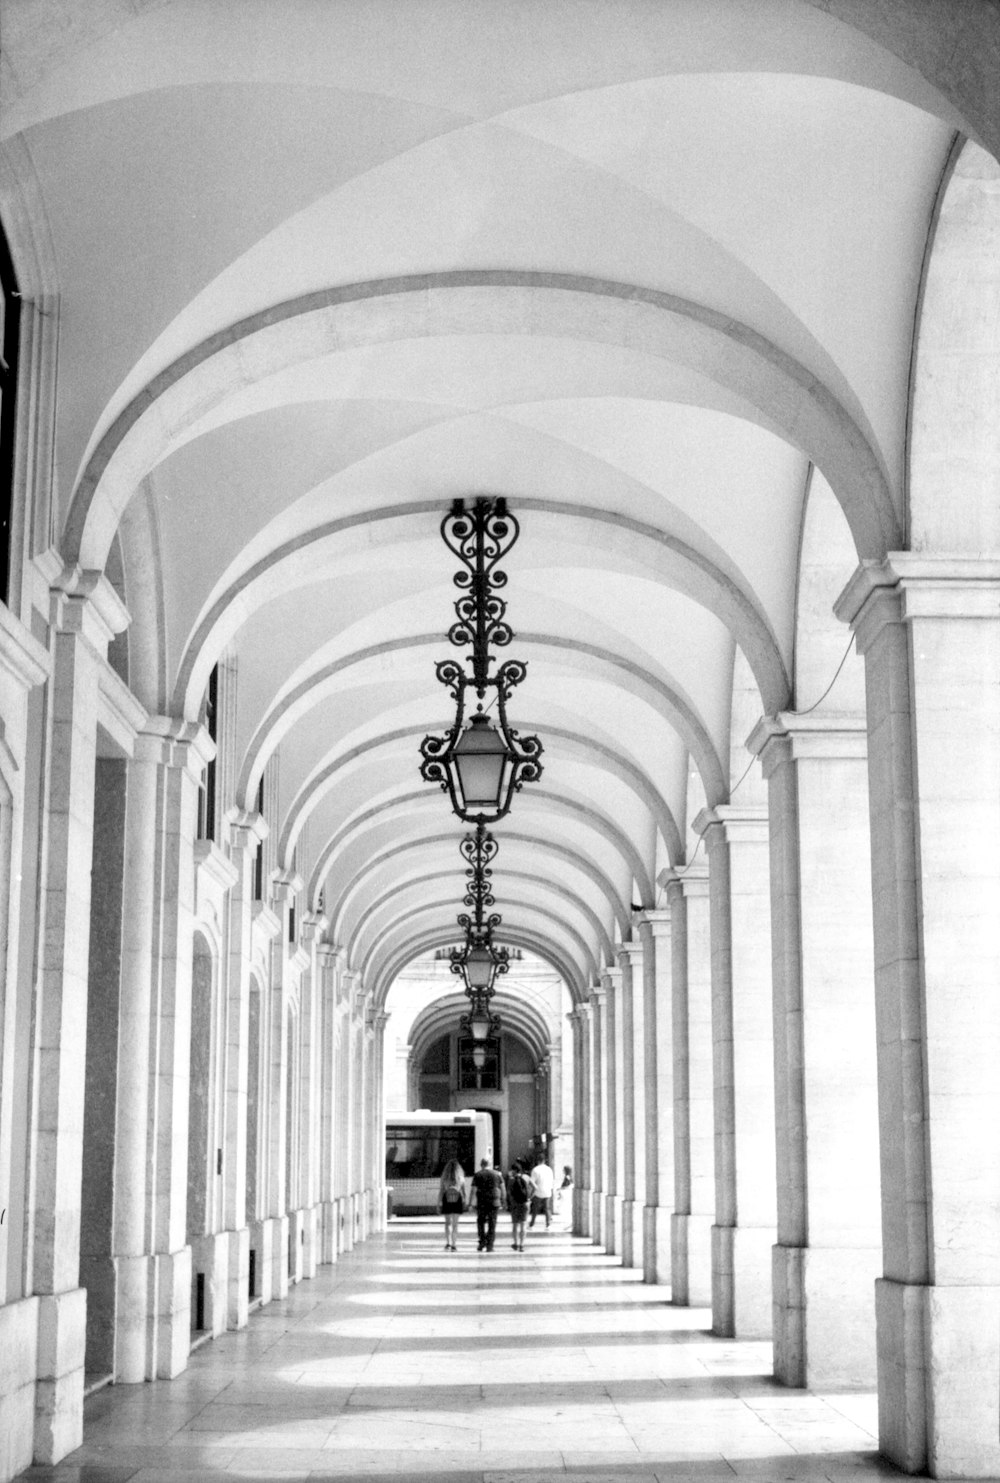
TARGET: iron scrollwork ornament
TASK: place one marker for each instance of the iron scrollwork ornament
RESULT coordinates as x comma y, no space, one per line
480,764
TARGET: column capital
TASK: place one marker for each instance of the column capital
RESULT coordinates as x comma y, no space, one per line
908,585
791,738
688,880
22,658
85,602
611,979
747,825
286,885
170,741
629,952
598,997
247,828
313,923
657,922
329,953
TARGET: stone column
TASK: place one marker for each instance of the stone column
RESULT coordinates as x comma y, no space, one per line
656,1093
278,1070
633,1141
742,1031
379,1021
346,1092
613,1119
582,1090
827,1256
246,833
929,628
85,614
694,1165
599,1076
310,1097
326,968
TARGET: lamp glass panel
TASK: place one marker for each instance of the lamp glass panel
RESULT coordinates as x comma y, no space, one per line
479,968
480,776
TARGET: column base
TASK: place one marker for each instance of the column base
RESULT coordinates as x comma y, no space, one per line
210,1262
132,1288
311,1240
597,1222
613,1224
58,1399
329,1225
296,1245
691,1260
238,1288
824,1316
171,1287
742,1305
261,1248
632,1234
345,1223
279,1256
19,1346
656,1222
939,1378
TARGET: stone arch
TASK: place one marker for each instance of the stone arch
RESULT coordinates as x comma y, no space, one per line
611,762
673,704
731,354
445,904
954,433
621,909
386,973
311,556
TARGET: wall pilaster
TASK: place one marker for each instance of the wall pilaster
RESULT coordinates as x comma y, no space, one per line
929,629
694,1167
742,1032
657,1092
826,1257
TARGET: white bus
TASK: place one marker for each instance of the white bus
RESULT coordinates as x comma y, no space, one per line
419,1144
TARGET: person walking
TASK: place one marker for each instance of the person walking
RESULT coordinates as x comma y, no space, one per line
543,1180
564,1197
451,1201
519,1192
488,1188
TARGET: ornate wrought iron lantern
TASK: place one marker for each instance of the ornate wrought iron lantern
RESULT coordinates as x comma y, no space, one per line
480,763
479,960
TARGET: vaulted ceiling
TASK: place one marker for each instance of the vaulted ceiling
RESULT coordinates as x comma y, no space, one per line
323,267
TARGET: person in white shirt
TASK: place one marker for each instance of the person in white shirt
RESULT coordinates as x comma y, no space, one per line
543,1184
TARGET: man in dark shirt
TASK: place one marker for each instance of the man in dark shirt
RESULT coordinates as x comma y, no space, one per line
487,1185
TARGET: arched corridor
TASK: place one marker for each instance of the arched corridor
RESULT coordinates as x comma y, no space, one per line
406,1362
499,641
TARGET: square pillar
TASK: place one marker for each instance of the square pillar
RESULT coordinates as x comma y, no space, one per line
929,629
694,1162
827,1254
598,1120
613,1110
85,614
657,1093
742,1031
632,1173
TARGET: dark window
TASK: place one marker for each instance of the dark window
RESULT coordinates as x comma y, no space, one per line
206,795
10,315
438,1057
471,1076
421,1153
258,864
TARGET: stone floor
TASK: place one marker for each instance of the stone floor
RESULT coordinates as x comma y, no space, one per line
406,1361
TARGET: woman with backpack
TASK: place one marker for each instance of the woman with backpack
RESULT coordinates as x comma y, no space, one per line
519,1189
451,1201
